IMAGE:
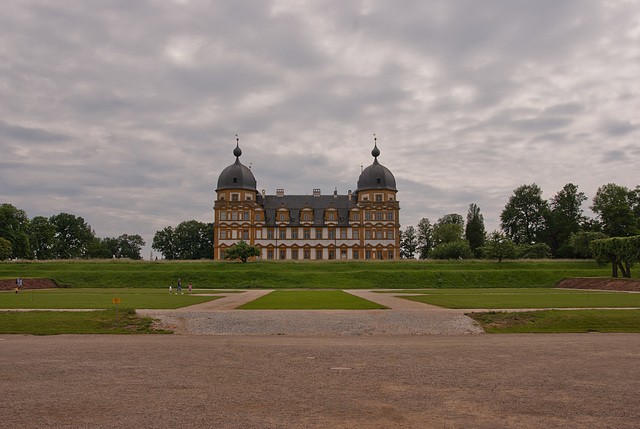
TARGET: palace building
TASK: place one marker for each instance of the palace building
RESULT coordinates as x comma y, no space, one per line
360,225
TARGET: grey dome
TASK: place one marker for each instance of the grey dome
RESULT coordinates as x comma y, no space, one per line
376,176
237,175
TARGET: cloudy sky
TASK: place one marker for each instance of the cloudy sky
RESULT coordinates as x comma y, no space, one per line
125,112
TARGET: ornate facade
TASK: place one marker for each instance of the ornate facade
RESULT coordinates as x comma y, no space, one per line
360,225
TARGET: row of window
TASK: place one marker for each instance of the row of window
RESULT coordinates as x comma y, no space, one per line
306,254
369,234
307,216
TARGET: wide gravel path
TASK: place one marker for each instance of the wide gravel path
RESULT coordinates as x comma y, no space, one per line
403,317
428,381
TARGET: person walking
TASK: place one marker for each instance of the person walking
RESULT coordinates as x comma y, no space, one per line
179,288
170,289
18,284
189,288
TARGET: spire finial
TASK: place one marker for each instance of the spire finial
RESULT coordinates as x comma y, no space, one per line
237,151
375,152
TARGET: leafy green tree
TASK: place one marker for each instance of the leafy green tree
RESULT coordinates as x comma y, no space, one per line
580,242
614,206
451,218
622,252
41,237
99,248
125,246
14,228
474,231
533,251
525,215
164,243
242,251
453,250
194,240
566,218
447,233
499,246
189,240
408,243
5,249
73,236
425,240
129,246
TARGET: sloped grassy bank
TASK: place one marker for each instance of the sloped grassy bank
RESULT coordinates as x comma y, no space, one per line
283,275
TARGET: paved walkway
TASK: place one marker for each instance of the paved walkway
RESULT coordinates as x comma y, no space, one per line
403,317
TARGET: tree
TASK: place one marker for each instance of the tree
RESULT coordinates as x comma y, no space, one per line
242,251
580,242
194,240
451,218
533,251
408,243
163,242
614,206
425,240
566,218
622,252
129,246
73,236
41,237
525,215
125,246
13,228
5,249
499,246
474,231
189,240
447,233
453,250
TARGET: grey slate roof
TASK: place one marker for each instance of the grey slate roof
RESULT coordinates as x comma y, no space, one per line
295,203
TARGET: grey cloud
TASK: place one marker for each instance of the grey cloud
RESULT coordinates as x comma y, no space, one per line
29,134
618,128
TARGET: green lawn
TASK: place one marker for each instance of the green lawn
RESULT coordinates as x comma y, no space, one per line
548,321
305,274
516,298
310,300
479,291
75,322
98,298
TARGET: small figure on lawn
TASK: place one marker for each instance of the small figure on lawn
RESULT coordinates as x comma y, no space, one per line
170,289
18,284
189,288
179,288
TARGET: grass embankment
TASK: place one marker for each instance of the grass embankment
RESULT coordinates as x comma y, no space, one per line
555,321
124,321
310,300
98,299
525,298
305,274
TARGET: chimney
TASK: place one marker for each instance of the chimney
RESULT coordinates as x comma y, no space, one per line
316,192
335,192
279,192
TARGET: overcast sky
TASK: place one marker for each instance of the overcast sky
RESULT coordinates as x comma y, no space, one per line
125,112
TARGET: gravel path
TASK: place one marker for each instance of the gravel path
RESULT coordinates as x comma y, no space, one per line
437,381
403,317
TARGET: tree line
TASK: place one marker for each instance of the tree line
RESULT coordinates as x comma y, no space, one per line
61,236
531,227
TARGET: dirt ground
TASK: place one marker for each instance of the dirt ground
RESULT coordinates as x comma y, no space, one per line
10,284
479,381
601,284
